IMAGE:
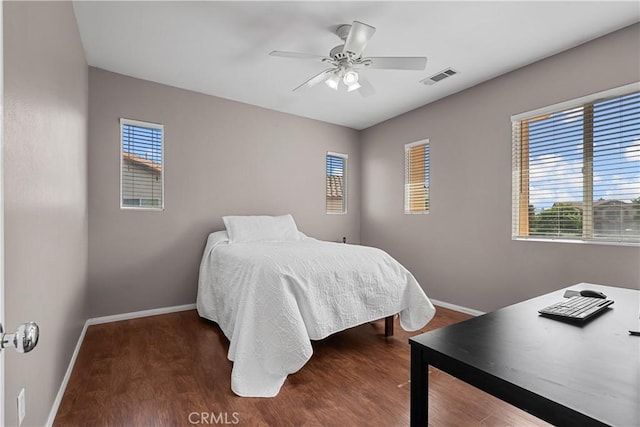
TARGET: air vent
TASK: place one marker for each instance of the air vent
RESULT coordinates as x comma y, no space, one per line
439,76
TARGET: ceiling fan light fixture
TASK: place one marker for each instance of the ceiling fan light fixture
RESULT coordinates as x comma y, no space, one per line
350,77
333,81
354,86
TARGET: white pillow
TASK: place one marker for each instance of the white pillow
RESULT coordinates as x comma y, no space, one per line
246,229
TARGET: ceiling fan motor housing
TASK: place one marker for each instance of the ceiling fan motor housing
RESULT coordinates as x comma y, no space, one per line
337,53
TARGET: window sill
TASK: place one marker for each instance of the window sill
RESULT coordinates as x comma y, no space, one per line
579,242
136,208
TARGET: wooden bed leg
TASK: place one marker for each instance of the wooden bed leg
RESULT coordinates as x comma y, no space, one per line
388,326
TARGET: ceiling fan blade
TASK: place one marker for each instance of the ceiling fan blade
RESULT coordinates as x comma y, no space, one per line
358,37
296,55
366,89
320,77
398,62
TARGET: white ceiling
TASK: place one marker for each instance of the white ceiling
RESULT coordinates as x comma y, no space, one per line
221,48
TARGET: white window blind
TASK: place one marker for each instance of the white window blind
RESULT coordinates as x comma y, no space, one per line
416,177
576,171
336,168
142,165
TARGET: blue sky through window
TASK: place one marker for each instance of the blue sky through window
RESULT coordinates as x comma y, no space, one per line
143,142
556,153
335,165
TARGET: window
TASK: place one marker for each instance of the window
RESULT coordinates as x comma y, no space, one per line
142,165
416,177
576,170
336,183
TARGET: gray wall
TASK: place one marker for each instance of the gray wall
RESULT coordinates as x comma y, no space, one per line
45,183
462,251
221,158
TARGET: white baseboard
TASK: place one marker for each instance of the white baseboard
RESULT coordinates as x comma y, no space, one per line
67,375
459,308
98,321
137,314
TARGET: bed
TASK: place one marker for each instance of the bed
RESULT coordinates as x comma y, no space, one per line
272,290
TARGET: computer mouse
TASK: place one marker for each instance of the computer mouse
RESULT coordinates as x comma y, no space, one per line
591,293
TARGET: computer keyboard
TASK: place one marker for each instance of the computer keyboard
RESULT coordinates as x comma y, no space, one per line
576,308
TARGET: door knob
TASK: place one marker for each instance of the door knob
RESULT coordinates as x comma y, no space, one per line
23,340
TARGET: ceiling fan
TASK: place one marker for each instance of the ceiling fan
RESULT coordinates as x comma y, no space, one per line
346,60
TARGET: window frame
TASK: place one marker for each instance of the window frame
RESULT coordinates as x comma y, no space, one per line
407,202
520,205
150,125
345,173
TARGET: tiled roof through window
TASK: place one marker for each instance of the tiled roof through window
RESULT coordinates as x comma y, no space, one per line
334,186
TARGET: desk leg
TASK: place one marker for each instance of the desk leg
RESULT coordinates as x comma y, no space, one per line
419,389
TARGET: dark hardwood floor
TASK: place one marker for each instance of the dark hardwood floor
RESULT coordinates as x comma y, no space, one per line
172,370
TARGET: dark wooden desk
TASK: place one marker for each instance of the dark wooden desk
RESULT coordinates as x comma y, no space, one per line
565,374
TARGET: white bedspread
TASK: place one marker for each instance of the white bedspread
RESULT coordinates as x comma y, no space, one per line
271,298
